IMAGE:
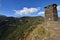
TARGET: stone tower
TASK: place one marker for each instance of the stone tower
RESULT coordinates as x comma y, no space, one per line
51,21
51,13
51,25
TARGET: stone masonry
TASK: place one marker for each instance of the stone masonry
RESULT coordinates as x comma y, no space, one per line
51,22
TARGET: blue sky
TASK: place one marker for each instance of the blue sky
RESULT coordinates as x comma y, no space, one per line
25,7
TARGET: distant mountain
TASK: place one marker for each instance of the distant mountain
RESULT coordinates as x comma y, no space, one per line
12,28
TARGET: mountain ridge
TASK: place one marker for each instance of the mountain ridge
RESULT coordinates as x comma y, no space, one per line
13,28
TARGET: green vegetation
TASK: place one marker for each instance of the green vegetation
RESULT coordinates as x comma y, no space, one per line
12,28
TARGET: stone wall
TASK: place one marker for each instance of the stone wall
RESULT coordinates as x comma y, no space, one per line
51,13
54,27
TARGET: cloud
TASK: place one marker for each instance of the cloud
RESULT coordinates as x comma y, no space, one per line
40,13
58,7
59,14
26,10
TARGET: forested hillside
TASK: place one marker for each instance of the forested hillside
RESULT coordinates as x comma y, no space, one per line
13,28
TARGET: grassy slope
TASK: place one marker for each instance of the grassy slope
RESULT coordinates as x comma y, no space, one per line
39,33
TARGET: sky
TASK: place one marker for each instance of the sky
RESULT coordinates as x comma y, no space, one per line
19,8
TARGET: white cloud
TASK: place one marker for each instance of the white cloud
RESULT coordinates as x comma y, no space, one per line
26,10
59,14
58,7
40,13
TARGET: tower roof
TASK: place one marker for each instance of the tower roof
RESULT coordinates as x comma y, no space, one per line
51,5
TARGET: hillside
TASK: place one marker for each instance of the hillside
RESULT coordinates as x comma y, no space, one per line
39,33
12,28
